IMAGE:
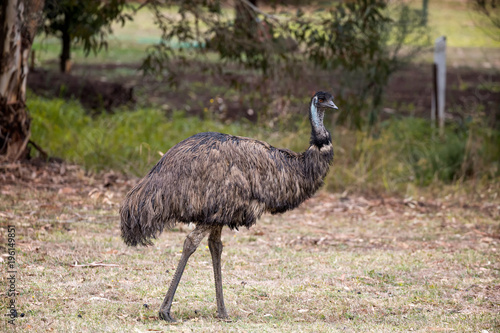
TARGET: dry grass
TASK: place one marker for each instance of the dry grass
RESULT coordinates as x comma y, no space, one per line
334,264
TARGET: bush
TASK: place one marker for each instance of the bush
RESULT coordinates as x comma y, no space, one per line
407,151
402,152
128,141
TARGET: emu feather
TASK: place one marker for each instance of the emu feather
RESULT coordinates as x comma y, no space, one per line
215,180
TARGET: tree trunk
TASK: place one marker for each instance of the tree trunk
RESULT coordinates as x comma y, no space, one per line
245,21
425,11
64,63
19,20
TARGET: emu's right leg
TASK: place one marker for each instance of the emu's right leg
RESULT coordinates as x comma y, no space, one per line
190,244
215,245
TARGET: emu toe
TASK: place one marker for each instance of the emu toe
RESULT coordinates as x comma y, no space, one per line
224,317
166,316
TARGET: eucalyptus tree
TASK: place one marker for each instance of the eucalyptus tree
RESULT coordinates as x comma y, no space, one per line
19,20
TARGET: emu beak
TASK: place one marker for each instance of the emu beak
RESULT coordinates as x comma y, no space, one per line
332,105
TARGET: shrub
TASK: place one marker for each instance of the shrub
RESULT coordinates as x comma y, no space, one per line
402,152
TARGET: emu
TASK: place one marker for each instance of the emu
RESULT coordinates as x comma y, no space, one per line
215,180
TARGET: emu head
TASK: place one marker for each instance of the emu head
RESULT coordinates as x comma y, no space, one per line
323,101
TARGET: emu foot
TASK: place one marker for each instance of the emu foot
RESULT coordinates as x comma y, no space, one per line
224,317
165,315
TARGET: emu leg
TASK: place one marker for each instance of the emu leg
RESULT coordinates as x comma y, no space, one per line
190,244
215,245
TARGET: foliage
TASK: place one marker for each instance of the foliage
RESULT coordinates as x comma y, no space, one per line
361,39
403,152
124,141
490,9
463,152
85,22
409,151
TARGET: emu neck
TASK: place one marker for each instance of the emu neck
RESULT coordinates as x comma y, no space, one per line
319,134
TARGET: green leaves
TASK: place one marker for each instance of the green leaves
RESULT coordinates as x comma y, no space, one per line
86,22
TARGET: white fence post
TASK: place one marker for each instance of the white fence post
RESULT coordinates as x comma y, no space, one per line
439,84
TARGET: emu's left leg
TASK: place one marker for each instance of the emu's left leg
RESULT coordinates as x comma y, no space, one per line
215,245
190,244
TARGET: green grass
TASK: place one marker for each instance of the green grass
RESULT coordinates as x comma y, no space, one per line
126,44
461,25
127,141
398,154
118,51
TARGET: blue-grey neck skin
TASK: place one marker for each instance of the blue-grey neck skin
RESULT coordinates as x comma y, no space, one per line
319,134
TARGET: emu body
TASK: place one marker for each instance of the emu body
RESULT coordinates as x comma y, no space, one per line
215,180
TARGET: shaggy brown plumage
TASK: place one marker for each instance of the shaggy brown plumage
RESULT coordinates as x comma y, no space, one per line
213,178
216,180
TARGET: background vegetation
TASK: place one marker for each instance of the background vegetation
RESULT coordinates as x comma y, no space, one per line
374,151
405,151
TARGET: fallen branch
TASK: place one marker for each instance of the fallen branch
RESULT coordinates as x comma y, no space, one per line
42,152
99,299
93,264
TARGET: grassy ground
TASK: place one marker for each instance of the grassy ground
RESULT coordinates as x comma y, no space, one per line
335,264
462,26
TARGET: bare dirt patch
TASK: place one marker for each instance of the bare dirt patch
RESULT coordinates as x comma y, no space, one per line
93,94
408,93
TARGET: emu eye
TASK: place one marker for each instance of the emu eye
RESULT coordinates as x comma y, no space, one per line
321,100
